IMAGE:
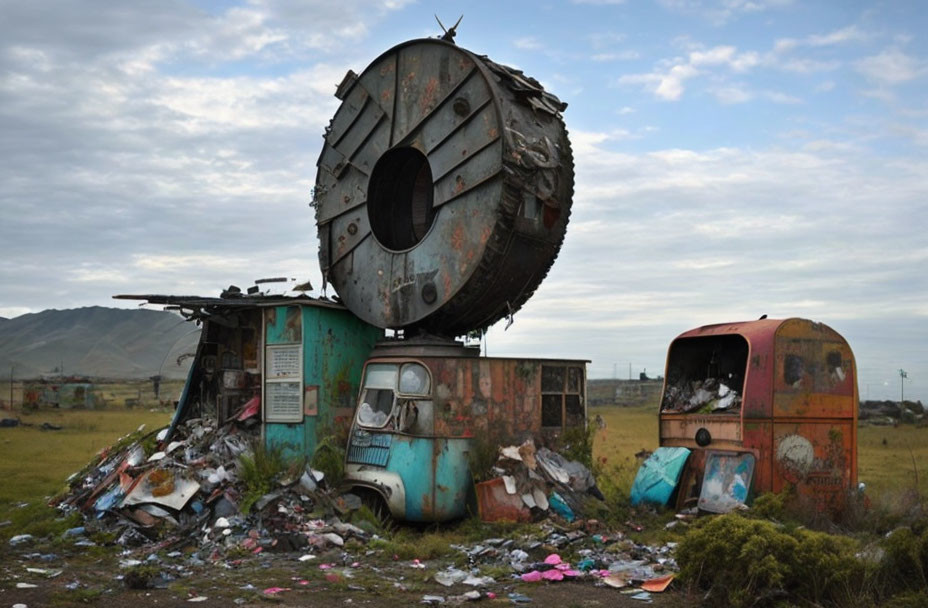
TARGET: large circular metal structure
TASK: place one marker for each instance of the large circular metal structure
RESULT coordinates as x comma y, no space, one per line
443,189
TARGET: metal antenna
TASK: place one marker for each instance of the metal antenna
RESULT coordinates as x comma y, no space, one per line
449,34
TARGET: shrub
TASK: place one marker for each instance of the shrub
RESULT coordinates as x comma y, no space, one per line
749,562
905,561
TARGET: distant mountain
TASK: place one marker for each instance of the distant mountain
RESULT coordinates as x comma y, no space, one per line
96,341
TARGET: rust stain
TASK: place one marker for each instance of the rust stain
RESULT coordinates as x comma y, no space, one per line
457,238
427,100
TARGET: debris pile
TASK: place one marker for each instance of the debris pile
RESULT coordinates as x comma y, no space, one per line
191,487
701,396
608,559
531,483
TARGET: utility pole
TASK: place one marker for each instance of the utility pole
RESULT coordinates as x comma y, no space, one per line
11,386
902,376
629,370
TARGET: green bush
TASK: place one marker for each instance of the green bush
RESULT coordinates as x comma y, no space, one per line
749,562
905,561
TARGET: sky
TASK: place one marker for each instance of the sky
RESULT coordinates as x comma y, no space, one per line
734,158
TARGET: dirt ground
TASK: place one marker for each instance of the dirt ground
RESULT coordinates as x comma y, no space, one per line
94,577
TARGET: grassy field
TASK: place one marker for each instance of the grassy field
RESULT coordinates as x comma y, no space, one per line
34,463
891,460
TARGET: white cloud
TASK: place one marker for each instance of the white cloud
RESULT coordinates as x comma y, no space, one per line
617,56
720,12
667,83
732,94
527,43
850,33
891,67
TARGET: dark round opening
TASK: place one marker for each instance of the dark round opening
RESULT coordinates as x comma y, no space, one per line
703,437
399,198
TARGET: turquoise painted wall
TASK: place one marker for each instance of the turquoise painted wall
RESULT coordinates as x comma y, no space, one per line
335,346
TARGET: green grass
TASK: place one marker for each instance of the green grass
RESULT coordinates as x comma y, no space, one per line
888,470
35,464
899,465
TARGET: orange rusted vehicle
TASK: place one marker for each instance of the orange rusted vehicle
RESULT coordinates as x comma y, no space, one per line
783,391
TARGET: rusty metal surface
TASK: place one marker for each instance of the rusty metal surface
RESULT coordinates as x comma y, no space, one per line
500,399
443,189
799,412
495,504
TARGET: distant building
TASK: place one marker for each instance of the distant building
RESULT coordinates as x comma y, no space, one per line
64,393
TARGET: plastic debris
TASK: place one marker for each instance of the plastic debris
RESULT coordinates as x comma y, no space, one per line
658,476
657,585
433,599
560,506
450,576
21,539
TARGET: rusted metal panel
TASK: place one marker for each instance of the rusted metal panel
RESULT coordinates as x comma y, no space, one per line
817,459
495,504
501,401
443,189
680,430
815,372
799,408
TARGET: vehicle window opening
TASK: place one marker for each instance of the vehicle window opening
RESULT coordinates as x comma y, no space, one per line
705,375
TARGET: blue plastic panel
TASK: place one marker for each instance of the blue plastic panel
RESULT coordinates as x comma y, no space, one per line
658,476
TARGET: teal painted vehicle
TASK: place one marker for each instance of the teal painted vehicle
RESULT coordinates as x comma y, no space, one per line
422,411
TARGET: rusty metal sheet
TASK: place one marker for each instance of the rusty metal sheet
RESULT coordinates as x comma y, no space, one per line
799,410
443,190
818,459
495,504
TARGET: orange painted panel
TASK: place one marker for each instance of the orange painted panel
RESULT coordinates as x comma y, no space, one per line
817,458
758,437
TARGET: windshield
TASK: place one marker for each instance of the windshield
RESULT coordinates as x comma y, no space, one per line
382,383
376,405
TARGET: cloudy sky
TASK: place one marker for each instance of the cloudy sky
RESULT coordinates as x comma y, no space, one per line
734,158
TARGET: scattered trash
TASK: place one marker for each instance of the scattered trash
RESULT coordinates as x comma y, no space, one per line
190,491
21,539
433,599
658,476
657,585
531,482
702,396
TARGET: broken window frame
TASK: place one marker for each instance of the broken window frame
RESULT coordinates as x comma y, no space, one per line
565,391
400,398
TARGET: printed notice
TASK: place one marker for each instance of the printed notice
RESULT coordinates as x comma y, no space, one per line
284,361
284,401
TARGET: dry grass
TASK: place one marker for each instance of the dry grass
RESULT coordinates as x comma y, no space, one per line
891,460
35,463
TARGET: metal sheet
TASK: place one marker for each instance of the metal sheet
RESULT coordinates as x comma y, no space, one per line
499,196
